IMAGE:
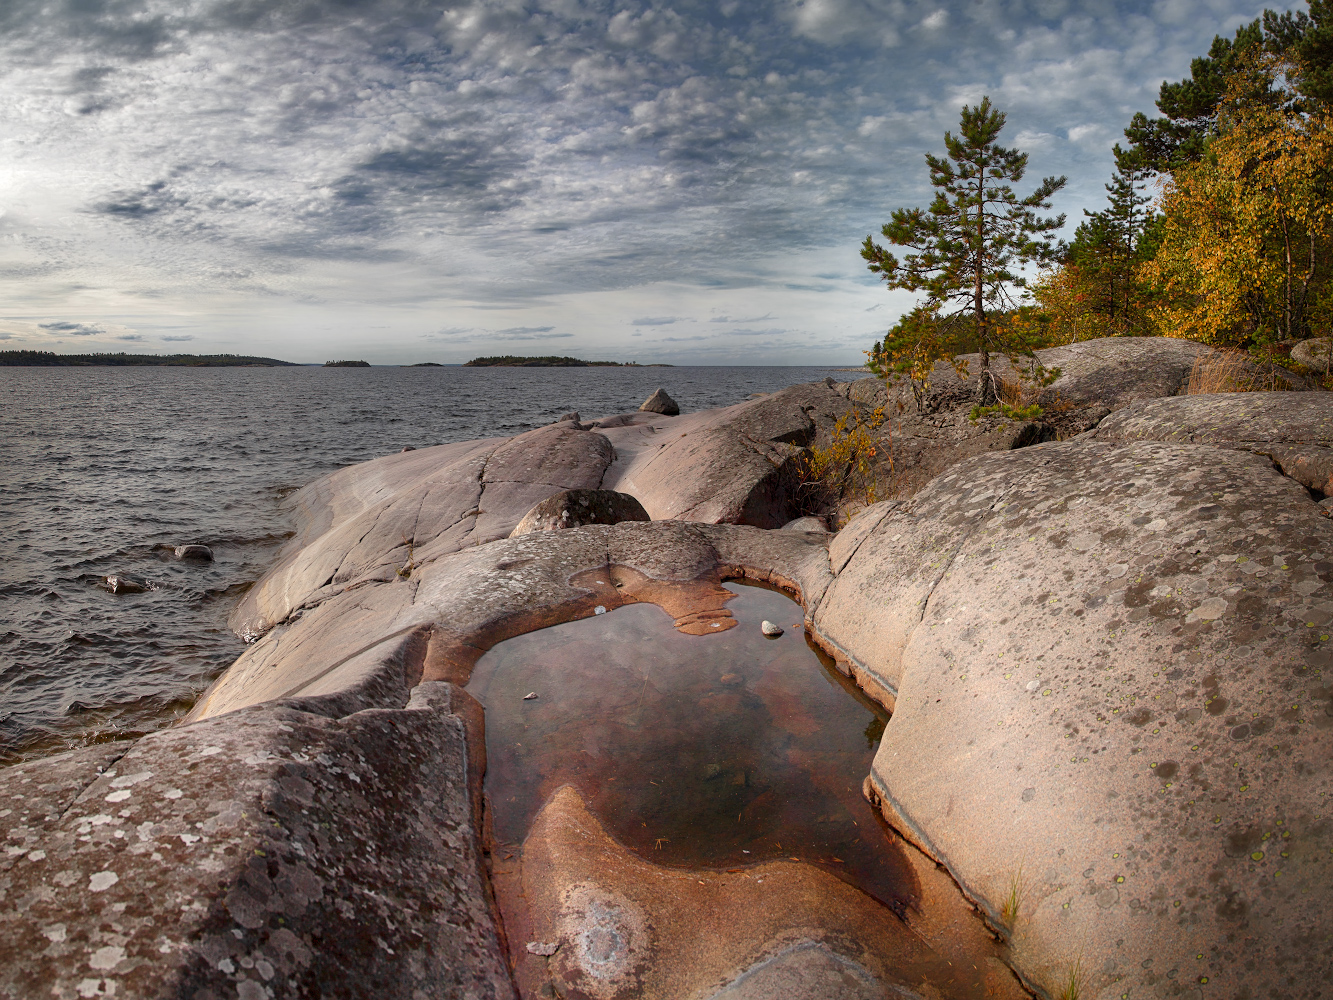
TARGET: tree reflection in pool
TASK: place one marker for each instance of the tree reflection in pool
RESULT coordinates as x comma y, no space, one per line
711,751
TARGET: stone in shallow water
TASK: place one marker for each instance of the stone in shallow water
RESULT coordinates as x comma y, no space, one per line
660,402
769,629
120,584
201,553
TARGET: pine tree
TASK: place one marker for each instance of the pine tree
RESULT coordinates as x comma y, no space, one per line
970,247
1107,248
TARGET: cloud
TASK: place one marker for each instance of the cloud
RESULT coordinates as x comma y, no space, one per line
529,333
130,336
741,319
63,328
655,321
180,337
400,159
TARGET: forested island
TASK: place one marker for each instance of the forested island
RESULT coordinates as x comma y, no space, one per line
49,359
510,361
346,364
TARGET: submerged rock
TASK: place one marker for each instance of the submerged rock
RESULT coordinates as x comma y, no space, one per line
119,583
660,402
198,553
575,508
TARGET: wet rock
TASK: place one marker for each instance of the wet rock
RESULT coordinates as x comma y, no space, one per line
575,508
406,448
197,553
572,416
1088,624
631,928
660,402
771,630
121,583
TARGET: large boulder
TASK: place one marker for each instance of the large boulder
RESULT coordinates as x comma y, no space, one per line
738,465
660,402
575,508
271,853
1110,666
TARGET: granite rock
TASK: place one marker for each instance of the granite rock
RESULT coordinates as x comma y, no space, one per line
273,852
575,508
660,402
1111,690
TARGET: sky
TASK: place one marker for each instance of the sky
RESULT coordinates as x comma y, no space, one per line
401,181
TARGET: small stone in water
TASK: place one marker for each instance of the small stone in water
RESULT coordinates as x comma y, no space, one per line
768,628
544,948
530,696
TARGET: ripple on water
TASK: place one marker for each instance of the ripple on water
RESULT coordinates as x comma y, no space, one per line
100,468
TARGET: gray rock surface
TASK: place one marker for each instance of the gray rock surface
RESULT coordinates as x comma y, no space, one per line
575,508
1313,353
660,402
736,465
1295,430
271,853
1097,377
1113,692
201,553
807,970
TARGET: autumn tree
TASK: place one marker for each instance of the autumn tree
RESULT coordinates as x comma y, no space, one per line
968,252
1245,253
1097,291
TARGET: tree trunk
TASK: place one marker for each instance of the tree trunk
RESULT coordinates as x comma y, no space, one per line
985,391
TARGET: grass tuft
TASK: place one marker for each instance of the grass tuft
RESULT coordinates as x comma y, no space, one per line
1013,898
1072,988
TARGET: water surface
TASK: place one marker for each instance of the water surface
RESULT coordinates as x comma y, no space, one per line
103,470
698,751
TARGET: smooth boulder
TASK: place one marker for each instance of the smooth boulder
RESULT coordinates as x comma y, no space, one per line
196,553
1113,674
575,508
660,402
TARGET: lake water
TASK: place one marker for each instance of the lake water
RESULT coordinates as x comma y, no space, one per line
104,470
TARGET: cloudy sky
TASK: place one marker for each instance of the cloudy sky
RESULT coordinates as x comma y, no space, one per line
405,181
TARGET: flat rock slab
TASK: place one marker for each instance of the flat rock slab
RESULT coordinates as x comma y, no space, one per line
1295,430
271,853
1112,675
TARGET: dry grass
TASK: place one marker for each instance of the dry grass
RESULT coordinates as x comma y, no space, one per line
1231,371
1013,899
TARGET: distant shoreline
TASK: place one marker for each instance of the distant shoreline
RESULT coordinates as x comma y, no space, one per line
550,361
48,359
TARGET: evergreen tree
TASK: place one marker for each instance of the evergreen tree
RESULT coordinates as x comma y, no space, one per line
1108,248
1233,67
969,248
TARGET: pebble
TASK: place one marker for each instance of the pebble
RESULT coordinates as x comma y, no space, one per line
530,696
543,948
769,629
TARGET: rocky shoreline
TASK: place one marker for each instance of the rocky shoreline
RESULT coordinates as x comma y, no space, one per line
1103,636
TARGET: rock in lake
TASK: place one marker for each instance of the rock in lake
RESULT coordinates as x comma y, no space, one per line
771,630
575,508
119,583
199,553
660,402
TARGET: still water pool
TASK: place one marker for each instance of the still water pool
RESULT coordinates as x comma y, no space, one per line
696,751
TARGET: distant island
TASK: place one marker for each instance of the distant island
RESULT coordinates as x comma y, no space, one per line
424,364
47,359
346,364
509,361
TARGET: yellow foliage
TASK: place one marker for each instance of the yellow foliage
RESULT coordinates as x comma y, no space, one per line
1245,253
845,468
